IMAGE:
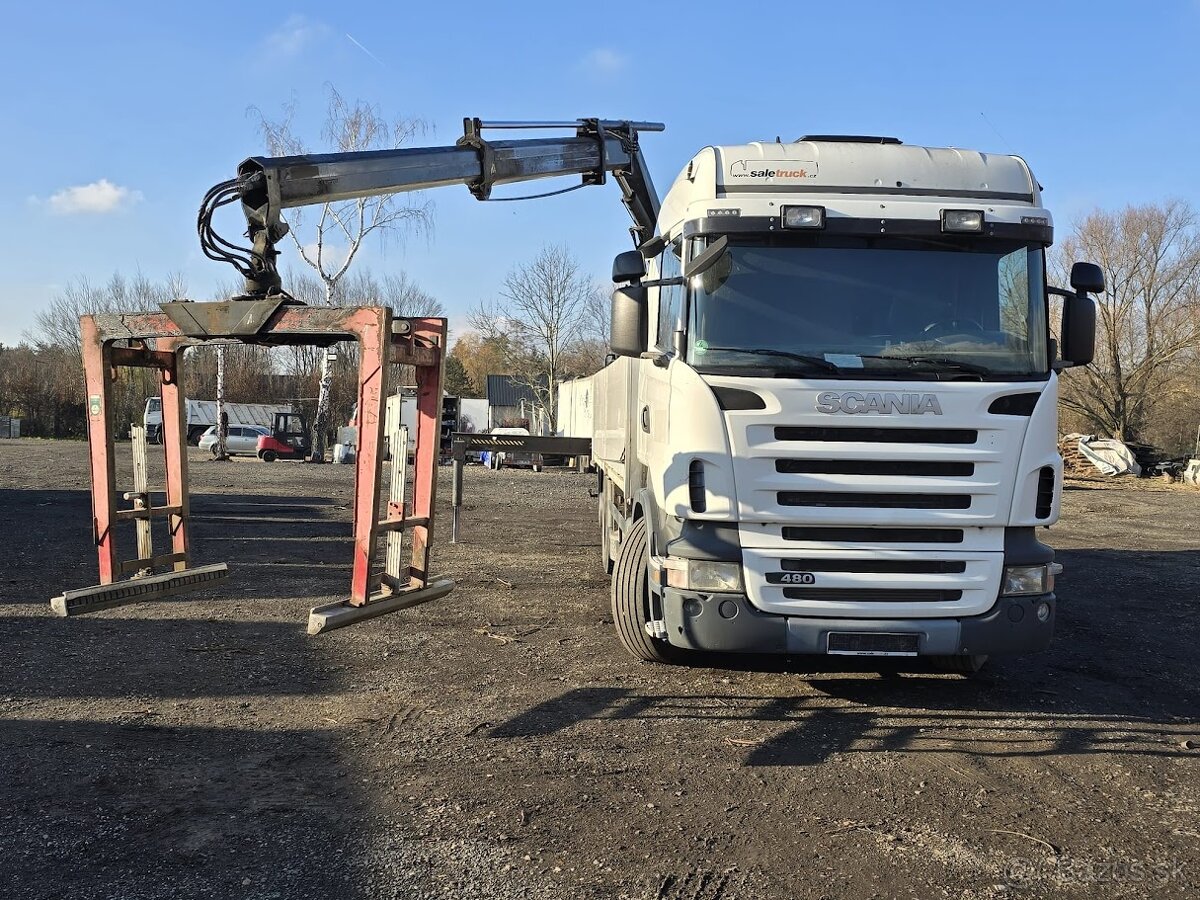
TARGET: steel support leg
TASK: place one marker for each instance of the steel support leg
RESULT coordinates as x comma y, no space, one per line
429,427
98,374
175,434
141,497
372,325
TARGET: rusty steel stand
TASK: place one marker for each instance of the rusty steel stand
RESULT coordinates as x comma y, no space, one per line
383,341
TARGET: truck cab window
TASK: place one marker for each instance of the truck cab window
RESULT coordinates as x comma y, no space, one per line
670,297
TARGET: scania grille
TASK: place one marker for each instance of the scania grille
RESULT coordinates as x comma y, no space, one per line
849,473
853,434
918,566
886,582
872,595
833,534
874,500
874,467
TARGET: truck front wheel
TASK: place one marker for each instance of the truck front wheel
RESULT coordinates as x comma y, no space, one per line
631,600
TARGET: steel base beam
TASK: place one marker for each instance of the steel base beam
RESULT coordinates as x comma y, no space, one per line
152,587
339,615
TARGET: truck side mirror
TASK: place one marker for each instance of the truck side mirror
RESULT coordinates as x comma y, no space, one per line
1087,278
629,318
628,266
1078,329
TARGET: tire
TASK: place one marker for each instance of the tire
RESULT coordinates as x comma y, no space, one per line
537,468
268,456
631,601
966,664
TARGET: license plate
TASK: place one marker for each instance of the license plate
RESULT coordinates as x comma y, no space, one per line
871,643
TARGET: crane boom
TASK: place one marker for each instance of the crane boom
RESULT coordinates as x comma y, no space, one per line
265,186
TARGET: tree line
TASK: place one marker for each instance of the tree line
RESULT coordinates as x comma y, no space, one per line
41,379
549,319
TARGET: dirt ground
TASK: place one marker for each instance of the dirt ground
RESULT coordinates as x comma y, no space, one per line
500,744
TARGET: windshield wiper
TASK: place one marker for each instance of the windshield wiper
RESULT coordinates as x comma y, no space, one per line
815,362
935,362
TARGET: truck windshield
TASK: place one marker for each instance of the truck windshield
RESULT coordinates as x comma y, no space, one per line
872,307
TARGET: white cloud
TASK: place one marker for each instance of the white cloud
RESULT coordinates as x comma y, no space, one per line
98,197
604,61
293,37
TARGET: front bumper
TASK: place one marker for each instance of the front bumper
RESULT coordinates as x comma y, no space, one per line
729,623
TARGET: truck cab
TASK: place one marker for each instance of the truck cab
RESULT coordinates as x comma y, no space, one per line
832,424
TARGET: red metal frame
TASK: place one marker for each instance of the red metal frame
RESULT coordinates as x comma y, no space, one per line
382,342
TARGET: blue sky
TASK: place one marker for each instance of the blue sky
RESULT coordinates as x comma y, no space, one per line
117,117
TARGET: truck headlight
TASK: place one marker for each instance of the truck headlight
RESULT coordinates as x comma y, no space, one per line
703,575
1022,581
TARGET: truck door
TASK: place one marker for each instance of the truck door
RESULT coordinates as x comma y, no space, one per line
654,382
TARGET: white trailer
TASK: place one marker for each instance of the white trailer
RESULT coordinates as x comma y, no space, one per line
832,425
573,414
201,414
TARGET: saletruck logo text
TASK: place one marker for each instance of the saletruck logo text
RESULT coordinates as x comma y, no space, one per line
770,168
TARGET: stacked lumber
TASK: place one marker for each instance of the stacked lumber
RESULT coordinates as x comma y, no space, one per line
1074,462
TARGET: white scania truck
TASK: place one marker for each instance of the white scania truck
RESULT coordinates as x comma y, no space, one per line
831,426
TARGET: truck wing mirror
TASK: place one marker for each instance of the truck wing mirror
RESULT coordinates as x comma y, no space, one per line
1078,329
1078,344
629,318
707,259
1087,278
628,266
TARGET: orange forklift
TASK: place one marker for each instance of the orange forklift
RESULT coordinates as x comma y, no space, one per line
288,439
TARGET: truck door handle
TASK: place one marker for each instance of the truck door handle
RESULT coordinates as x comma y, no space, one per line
646,419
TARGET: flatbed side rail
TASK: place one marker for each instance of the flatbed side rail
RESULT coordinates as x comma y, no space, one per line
462,442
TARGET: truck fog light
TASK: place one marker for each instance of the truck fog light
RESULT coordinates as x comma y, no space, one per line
962,220
803,216
1043,611
1025,580
703,575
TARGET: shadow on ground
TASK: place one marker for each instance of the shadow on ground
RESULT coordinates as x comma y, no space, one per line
1118,679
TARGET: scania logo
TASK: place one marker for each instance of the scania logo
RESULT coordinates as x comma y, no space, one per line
854,403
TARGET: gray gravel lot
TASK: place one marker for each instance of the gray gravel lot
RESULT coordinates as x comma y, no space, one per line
500,744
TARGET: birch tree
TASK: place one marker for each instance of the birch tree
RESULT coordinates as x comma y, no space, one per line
539,321
330,236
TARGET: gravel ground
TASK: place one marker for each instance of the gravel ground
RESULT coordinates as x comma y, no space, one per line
500,744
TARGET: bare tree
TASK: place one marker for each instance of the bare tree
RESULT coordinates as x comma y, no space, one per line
56,328
1148,319
593,346
540,321
330,244
403,295
58,324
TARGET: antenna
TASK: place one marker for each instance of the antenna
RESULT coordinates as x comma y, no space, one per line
1003,140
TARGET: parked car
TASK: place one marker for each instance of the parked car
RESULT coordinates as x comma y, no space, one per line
241,440
498,459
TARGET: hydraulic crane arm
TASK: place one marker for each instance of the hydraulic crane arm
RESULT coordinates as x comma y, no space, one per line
266,186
